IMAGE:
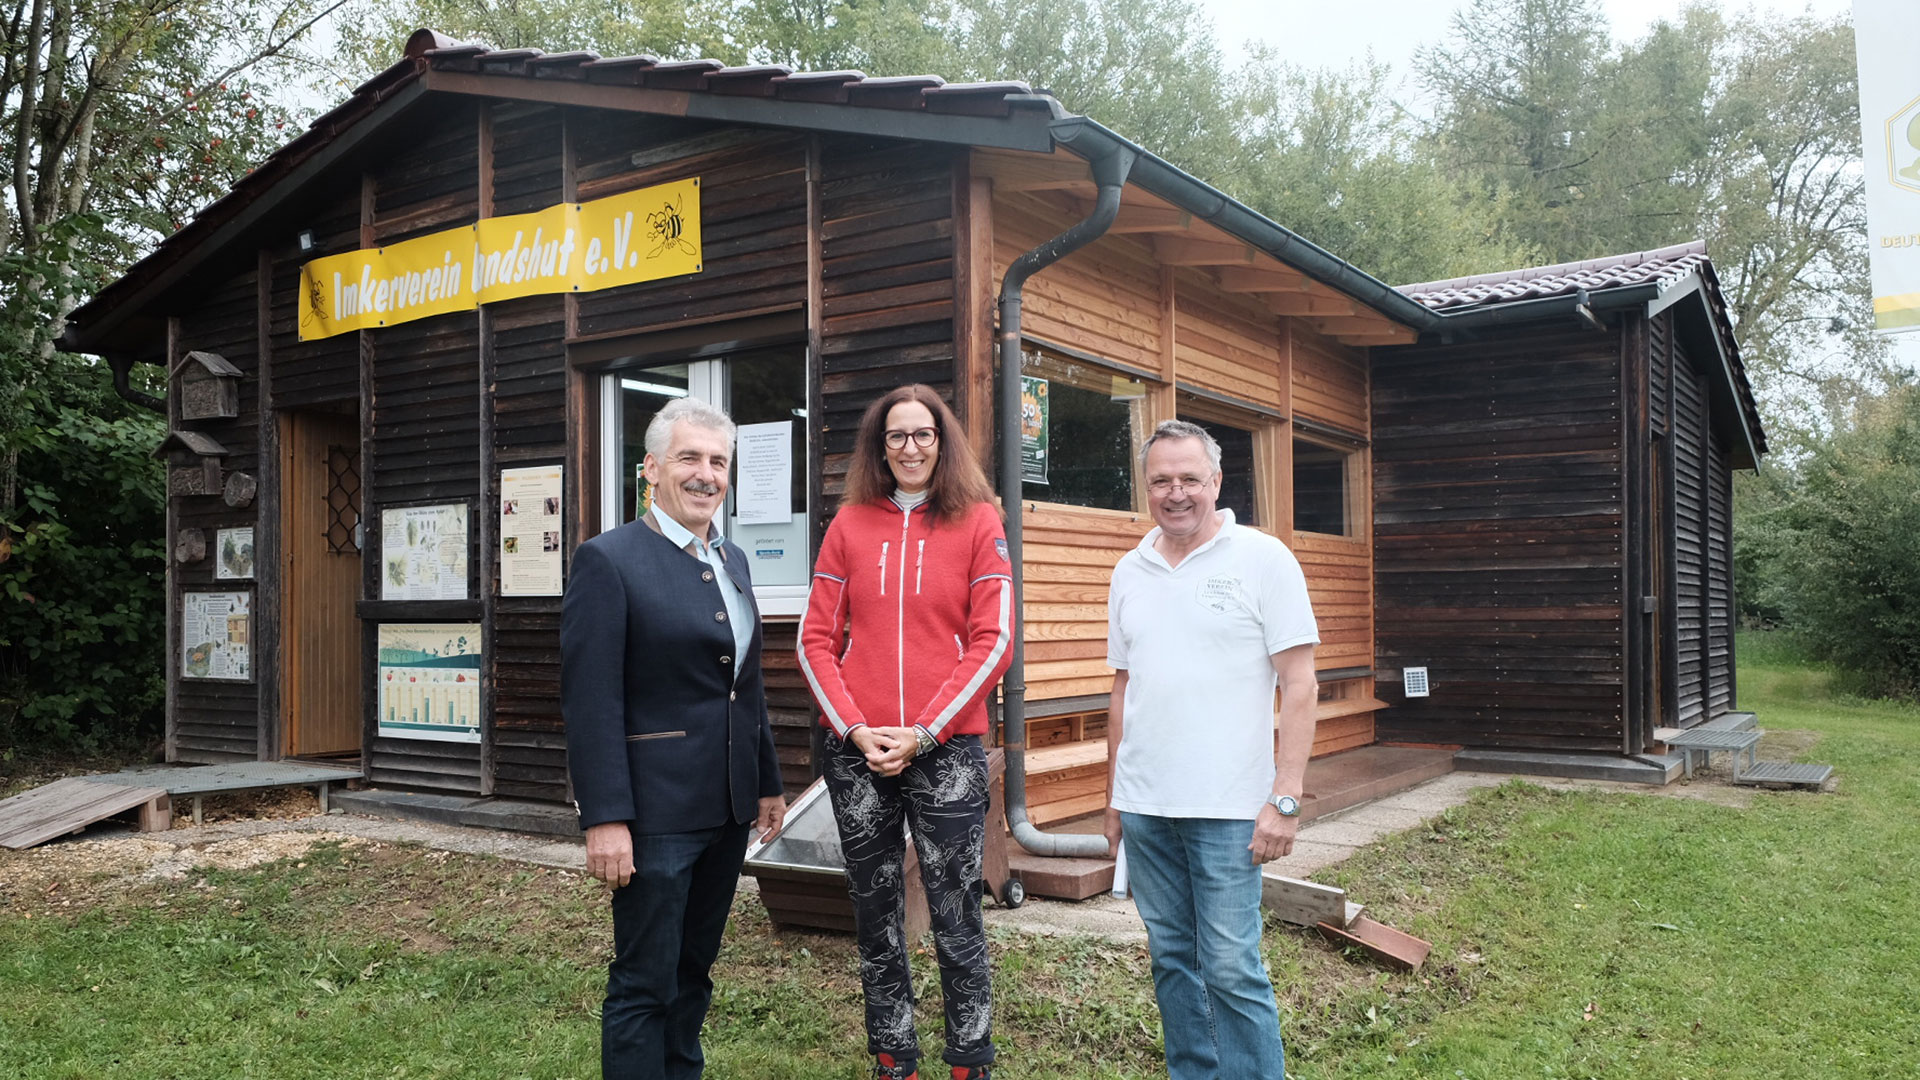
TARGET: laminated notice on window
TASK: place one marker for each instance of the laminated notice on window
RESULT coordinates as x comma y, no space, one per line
764,492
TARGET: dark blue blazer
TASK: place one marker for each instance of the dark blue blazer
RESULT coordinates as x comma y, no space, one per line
666,727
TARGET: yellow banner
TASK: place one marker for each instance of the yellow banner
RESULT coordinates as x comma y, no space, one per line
641,235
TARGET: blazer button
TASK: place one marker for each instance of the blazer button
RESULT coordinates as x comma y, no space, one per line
706,575
719,616
733,695
726,659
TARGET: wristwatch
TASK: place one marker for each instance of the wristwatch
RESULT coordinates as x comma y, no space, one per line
1286,804
925,741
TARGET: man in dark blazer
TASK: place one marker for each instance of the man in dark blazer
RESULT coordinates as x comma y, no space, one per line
667,740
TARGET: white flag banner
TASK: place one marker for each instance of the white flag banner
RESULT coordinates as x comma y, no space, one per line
1885,32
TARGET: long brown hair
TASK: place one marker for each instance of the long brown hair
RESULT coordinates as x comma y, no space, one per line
958,481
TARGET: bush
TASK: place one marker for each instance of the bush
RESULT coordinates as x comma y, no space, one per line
82,582
1837,554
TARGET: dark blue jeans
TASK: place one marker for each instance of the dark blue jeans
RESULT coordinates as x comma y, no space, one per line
667,924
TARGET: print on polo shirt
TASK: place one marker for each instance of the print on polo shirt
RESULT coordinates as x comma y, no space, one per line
1220,593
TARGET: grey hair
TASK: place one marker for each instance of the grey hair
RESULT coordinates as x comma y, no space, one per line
693,411
1182,429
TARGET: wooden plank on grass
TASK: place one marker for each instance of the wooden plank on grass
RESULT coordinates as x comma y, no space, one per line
65,806
1380,941
1302,903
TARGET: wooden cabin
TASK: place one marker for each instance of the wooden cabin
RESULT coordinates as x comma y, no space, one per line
452,304
1553,491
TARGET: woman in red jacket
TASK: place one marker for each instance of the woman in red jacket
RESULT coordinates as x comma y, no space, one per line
908,627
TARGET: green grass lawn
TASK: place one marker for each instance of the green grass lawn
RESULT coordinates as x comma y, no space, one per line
1583,934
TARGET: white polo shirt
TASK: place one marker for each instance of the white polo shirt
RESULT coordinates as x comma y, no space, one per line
1195,641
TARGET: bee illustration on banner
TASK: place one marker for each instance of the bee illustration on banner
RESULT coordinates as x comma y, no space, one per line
316,317
666,227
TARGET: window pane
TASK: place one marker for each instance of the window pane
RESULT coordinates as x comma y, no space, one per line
1093,431
1236,468
643,393
763,388
1320,489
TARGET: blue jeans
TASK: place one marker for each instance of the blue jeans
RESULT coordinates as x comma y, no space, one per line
1198,891
667,924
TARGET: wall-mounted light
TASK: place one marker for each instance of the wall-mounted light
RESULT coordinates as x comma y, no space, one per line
306,241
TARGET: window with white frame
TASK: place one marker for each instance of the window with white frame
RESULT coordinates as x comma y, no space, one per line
757,388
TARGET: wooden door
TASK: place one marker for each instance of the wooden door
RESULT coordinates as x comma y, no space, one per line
320,633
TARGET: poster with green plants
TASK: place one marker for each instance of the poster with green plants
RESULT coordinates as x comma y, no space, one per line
423,552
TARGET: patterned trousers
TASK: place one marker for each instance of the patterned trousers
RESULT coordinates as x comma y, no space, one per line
942,798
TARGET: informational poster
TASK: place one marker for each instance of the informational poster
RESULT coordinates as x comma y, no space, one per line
215,637
1884,36
423,550
430,681
530,531
763,495
233,554
1033,430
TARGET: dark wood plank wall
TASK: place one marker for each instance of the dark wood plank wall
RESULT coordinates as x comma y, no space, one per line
886,233
424,417
313,373
753,220
1691,444
216,721
528,380
1497,538
1719,531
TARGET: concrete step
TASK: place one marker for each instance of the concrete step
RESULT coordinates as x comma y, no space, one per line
514,815
1654,769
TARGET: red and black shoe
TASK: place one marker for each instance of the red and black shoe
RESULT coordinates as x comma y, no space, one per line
887,1067
972,1072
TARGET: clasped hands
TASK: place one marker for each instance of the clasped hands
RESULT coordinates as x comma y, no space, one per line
888,749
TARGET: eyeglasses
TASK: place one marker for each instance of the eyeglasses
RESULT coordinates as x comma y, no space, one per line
923,438
1167,486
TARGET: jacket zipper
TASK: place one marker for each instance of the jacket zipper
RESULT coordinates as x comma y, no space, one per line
883,568
900,618
919,559
959,649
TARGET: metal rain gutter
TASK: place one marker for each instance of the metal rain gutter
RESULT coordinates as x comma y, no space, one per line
1111,164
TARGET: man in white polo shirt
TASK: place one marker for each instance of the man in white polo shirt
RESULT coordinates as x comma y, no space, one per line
1205,618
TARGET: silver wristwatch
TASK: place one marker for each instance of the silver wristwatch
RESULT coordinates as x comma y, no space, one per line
926,741
1286,804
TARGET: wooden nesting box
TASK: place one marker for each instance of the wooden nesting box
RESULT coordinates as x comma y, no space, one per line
209,387
193,463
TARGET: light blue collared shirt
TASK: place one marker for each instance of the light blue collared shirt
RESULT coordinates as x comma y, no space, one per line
740,610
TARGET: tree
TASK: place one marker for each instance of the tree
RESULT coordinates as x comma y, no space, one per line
116,122
1742,134
1330,156
1831,545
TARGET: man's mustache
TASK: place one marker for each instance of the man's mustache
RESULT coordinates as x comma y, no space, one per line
700,487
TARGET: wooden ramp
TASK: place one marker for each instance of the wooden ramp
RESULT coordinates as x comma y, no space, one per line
67,806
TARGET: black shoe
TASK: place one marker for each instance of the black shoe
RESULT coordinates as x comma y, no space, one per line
887,1067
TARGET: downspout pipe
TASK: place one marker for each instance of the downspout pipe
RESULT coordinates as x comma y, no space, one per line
1110,175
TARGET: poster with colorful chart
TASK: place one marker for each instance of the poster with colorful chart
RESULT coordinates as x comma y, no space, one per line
430,681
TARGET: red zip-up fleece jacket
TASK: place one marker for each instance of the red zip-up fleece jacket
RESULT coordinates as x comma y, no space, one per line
930,609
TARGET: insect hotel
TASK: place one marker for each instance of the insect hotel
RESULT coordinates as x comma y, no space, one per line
448,310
